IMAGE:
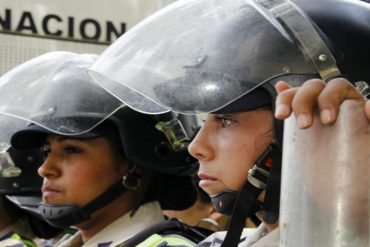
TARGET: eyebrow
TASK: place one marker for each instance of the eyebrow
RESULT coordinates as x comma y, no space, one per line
226,114
59,139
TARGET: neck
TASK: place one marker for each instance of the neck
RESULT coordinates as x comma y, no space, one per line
106,215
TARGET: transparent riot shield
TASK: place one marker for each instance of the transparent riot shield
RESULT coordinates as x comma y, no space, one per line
325,182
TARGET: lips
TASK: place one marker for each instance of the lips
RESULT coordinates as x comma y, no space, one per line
48,188
49,191
204,176
207,181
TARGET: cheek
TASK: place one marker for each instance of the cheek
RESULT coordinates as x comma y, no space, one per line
85,182
236,164
237,175
241,156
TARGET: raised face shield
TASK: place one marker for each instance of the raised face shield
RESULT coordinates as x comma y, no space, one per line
198,56
8,125
54,91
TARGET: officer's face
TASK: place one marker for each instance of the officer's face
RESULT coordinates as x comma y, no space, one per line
227,147
77,171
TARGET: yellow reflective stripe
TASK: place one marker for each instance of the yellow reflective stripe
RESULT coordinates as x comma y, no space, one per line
26,242
16,236
172,240
152,241
178,240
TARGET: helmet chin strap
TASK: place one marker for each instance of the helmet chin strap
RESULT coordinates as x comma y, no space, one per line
242,204
224,202
63,216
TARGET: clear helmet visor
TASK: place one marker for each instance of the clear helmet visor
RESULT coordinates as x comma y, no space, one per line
55,91
8,126
197,56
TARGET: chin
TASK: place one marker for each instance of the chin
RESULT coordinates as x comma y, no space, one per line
55,201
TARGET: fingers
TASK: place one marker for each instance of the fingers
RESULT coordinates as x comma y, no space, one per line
305,101
284,100
330,99
367,109
281,86
327,97
299,100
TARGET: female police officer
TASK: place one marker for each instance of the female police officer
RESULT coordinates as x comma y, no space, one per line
108,171
226,62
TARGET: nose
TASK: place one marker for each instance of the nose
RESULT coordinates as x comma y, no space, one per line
49,169
201,146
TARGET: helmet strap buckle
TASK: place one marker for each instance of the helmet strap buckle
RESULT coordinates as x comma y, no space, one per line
132,179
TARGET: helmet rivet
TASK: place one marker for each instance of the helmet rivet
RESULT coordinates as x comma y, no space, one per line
220,204
323,57
287,69
51,109
29,159
15,185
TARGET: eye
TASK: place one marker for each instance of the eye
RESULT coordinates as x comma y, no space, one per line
46,151
224,121
72,150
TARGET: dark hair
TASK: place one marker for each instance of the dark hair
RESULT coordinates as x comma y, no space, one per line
115,143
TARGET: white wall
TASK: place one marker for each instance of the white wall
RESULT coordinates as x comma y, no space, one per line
32,27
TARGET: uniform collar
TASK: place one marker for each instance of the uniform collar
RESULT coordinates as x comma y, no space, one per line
122,228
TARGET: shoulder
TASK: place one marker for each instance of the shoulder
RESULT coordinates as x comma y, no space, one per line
173,232
21,227
168,239
217,238
16,240
70,240
126,226
269,240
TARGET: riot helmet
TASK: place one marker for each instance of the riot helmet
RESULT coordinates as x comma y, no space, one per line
19,171
63,100
19,178
227,53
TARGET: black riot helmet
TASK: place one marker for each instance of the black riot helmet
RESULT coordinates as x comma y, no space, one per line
19,172
19,180
59,98
229,54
